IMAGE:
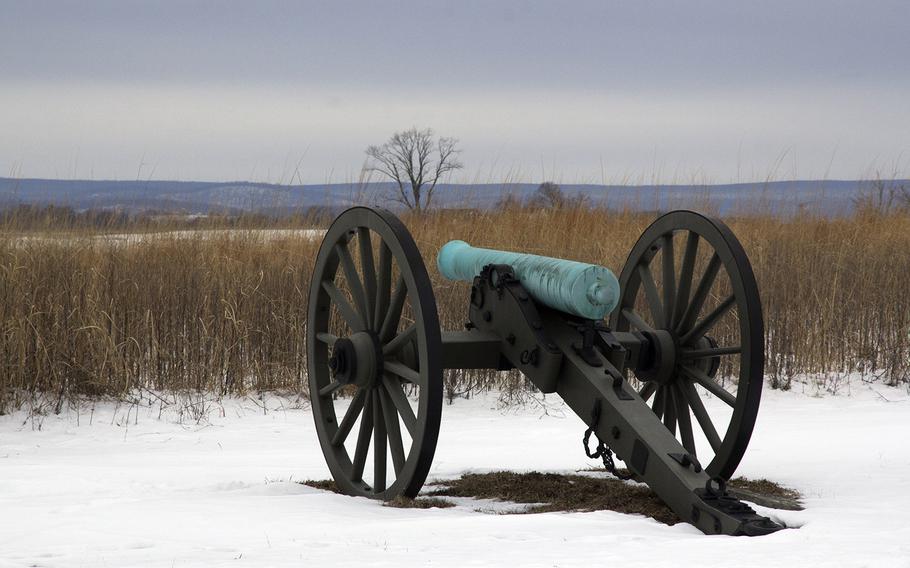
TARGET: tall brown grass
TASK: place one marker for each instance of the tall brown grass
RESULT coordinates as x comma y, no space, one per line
225,312
835,292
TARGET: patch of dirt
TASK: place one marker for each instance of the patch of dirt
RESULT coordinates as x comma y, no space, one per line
398,502
546,492
324,484
766,493
419,503
764,487
557,492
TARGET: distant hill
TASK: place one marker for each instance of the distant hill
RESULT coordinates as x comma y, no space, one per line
830,197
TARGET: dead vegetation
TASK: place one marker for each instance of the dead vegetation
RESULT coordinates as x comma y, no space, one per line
766,493
419,503
225,312
399,502
323,484
549,492
834,291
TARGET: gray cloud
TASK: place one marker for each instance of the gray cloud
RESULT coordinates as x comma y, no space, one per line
222,90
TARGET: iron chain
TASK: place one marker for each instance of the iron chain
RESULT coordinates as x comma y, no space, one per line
602,450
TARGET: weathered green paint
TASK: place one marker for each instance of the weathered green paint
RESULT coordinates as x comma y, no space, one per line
585,290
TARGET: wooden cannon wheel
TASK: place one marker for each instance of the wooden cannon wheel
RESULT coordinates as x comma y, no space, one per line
688,275
374,356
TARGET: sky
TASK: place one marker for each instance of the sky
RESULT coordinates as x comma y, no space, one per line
576,92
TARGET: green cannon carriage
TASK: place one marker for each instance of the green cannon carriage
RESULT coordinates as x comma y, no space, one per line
670,384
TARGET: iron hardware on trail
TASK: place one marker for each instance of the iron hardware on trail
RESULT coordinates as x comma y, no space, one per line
373,333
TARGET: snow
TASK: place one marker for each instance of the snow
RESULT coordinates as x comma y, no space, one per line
263,234
122,487
143,237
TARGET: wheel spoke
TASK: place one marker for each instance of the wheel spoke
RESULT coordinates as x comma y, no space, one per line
405,372
684,420
647,391
685,277
710,352
384,285
400,400
709,320
393,316
704,380
669,279
330,388
636,320
349,314
400,340
356,286
701,415
326,338
363,439
658,407
344,428
669,410
369,273
701,293
653,297
393,430
379,445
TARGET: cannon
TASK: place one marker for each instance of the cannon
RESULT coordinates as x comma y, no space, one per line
670,383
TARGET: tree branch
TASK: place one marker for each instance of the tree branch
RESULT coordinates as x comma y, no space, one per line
408,159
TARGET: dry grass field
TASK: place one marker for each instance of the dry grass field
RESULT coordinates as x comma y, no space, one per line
224,312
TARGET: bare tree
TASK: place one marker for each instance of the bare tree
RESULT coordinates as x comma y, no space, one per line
548,195
883,197
415,160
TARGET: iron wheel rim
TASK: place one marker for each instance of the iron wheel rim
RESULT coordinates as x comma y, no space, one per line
381,405
730,445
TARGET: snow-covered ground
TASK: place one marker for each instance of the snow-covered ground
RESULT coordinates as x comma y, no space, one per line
263,234
118,489
143,237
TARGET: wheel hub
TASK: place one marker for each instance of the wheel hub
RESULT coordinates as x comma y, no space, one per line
709,365
663,347
663,351
357,360
343,362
